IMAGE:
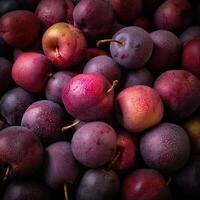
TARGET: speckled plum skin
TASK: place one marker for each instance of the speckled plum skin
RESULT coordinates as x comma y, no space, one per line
94,144
12,24
46,119
27,189
30,71
55,85
85,98
50,12
14,103
190,33
165,147
127,10
21,149
145,184
135,47
60,166
191,57
166,50
173,15
138,108
105,66
89,16
179,90
98,184
64,45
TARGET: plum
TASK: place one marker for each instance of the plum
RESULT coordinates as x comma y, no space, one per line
173,15
127,10
191,57
137,77
31,71
166,147
103,65
93,52
21,151
94,144
5,74
131,47
46,119
88,97
27,189
192,126
60,166
14,103
186,181
98,184
12,24
145,184
64,45
127,150
179,90
190,33
89,16
138,108
55,85
50,12
166,51
143,22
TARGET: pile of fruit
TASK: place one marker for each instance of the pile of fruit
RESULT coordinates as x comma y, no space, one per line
99,99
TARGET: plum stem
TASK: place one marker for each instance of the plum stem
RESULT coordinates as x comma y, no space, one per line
100,42
113,86
7,173
66,192
114,160
76,121
49,75
169,180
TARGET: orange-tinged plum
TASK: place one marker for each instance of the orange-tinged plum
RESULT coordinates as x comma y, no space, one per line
19,28
192,126
138,108
179,90
64,45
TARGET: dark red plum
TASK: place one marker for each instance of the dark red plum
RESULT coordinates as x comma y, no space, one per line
89,16
127,10
145,184
190,33
166,147
20,150
60,166
127,150
173,15
88,97
46,119
132,47
137,77
12,24
105,66
186,181
94,144
55,85
5,74
27,189
143,22
31,71
191,57
98,184
14,103
50,12
166,50
179,90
